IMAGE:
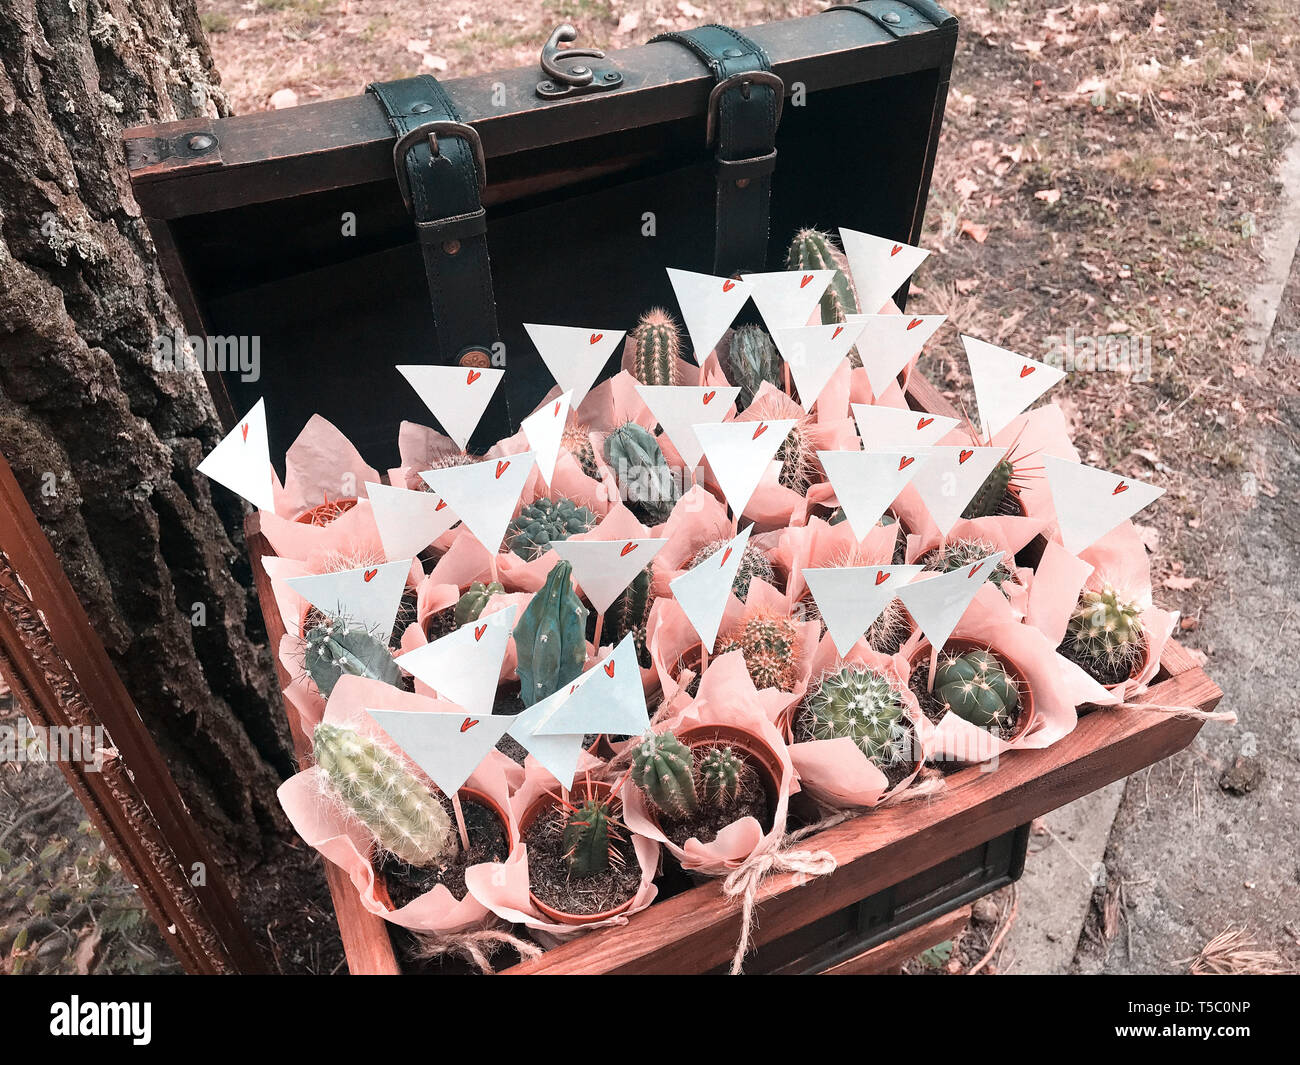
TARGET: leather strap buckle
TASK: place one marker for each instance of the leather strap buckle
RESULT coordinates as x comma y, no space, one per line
432,130
745,78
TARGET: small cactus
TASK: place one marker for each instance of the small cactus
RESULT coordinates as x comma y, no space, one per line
753,563
656,347
591,836
644,476
544,521
664,769
550,637
470,605
1106,631
630,613
752,358
798,452
859,704
770,644
966,551
813,250
576,440
975,686
988,501
401,814
722,773
334,648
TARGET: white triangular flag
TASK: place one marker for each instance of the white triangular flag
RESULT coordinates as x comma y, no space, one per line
879,266
888,342
603,568
952,477
678,408
544,429
704,590
709,305
1090,502
739,453
447,746
867,482
464,665
814,353
483,494
888,427
457,395
612,701
937,603
367,596
574,355
408,521
850,598
558,755
242,461
787,298
1005,383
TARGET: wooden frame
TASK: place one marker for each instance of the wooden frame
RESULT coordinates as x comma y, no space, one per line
696,931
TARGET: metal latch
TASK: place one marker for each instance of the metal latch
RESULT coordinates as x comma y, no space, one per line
577,79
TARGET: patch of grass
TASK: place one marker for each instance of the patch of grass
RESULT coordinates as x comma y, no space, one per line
215,22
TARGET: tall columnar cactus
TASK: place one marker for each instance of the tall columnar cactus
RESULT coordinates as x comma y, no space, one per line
753,563
966,551
859,704
656,347
591,835
1107,631
544,521
402,815
334,648
472,604
814,250
642,471
630,613
664,769
975,686
576,440
752,358
722,771
988,501
770,643
550,637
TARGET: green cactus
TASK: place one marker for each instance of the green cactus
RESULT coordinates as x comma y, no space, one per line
630,613
401,814
470,605
643,473
859,704
549,637
576,440
753,563
591,835
798,452
770,644
966,551
544,521
656,346
334,648
813,250
975,686
752,358
988,501
722,773
1106,632
664,769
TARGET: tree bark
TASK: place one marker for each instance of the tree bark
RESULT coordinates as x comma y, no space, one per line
103,445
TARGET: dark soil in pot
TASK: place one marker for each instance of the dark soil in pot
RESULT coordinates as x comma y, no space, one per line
488,842
551,884
895,774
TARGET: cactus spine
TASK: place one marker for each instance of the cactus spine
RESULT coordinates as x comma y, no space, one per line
770,644
1106,631
590,836
963,552
549,637
859,704
813,250
544,521
721,773
656,346
797,453
988,501
974,686
401,814
470,605
630,612
664,769
753,563
576,440
333,648
752,358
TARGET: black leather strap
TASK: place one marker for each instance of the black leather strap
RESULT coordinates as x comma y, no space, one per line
743,116
439,163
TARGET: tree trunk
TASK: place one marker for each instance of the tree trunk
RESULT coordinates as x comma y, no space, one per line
103,445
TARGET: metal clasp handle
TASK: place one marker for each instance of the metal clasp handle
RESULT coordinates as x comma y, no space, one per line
575,79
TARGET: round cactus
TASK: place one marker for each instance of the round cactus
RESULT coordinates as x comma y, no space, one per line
752,358
966,551
975,686
630,613
798,452
576,440
656,346
544,521
470,605
722,773
334,648
770,644
859,704
591,835
753,563
401,814
1106,632
664,769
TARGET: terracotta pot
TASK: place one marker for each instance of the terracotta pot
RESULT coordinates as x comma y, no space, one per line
765,761
960,644
542,805
324,513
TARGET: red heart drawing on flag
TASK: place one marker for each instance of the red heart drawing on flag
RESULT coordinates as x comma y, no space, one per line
759,431
556,413
502,466
1121,487
1025,371
973,570
468,724
725,555
922,423
368,576
609,669
896,249
961,459
838,330
708,396
628,548
914,323
904,462
806,279
472,376
245,432
441,503
727,286
478,632
596,338
881,576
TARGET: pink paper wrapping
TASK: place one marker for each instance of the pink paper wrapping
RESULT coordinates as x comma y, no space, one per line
819,545
321,464
503,886
353,534
835,772
697,520
324,824
672,641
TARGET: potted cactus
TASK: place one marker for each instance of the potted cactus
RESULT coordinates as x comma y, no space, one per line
543,521
976,683
647,484
751,361
654,348
754,563
550,638
1105,637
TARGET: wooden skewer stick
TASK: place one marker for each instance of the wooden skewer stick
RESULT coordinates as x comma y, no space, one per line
460,820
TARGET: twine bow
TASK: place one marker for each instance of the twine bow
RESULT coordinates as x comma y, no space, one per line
476,947
1228,717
